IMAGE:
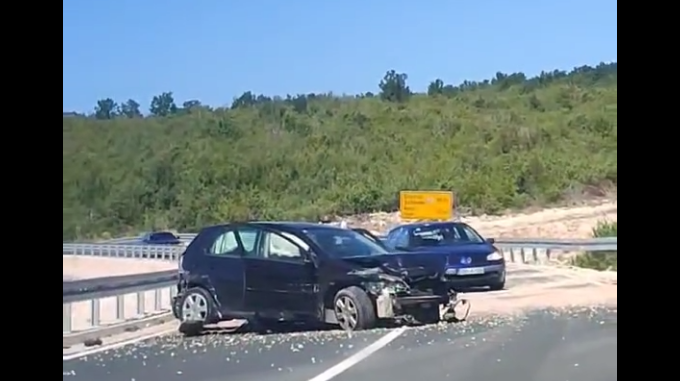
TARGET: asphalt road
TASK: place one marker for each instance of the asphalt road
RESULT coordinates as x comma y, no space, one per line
574,344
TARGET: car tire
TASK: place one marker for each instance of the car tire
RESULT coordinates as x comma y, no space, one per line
354,309
195,309
498,286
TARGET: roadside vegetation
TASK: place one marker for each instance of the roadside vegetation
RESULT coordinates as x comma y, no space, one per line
600,260
501,143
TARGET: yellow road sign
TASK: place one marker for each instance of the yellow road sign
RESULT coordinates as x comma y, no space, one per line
426,205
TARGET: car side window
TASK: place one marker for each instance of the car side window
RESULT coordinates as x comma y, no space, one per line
276,246
391,239
401,240
225,245
248,237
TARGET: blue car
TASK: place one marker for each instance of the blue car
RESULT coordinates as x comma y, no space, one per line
161,238
464,257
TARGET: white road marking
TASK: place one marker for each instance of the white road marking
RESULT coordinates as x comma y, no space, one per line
116,345
359,356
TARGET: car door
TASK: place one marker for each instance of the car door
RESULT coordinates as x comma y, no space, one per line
225,269
280,279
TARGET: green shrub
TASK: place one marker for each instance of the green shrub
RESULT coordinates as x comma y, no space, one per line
605,229
497,144
600,260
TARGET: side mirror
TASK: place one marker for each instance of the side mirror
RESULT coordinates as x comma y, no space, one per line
491,240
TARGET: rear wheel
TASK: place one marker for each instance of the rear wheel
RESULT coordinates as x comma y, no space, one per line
195,309
354,309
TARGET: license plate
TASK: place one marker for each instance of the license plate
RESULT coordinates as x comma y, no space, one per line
471,271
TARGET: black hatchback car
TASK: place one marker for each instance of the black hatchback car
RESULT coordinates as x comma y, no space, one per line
267,272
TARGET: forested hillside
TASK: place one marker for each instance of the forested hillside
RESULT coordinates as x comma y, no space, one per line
499,143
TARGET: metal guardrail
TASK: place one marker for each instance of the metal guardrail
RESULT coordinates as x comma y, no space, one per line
172,253
162,284
131,240
93,291
162,252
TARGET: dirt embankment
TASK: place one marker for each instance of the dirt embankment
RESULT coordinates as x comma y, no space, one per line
565,222
549,223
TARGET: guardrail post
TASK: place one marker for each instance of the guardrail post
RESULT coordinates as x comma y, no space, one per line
94,312
66,312
157,299
141,308
120,307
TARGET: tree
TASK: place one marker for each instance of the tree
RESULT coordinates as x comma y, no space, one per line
192,104
163,105
246,99
435,88
393,87
130,109
105,109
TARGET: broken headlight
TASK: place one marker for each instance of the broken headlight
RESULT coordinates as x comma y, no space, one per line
380,287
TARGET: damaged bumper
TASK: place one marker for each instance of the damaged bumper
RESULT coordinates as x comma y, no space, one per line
391,306
395,298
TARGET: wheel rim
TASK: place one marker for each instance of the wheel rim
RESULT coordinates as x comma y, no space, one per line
346,313
194,308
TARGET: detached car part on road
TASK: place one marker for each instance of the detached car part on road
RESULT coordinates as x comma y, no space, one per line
268,272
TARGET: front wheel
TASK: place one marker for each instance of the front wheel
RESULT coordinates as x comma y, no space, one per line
497,286
354,309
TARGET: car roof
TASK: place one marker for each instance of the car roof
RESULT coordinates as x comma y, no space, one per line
422,224
298,225
288,225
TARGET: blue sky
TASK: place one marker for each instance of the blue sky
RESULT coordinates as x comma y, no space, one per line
214,50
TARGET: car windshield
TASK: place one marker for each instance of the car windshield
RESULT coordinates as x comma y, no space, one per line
443,234
341,243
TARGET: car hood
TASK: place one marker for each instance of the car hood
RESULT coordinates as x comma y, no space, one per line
424,262
459,250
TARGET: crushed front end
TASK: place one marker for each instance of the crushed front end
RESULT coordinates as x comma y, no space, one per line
402,298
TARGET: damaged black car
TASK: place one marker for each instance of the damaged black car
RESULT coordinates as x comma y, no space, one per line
269,272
